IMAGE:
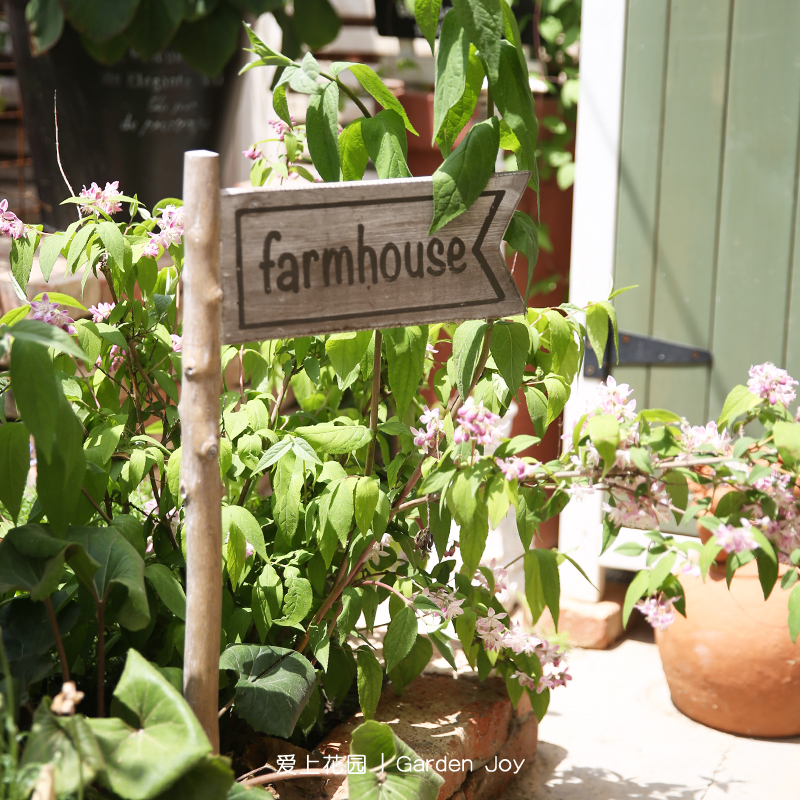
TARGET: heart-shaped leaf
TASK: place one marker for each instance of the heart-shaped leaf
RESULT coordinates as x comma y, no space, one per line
273,687
168,735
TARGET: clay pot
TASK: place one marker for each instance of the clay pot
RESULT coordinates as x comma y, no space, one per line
731,663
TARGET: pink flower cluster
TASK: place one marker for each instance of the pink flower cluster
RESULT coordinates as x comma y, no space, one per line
554,669
50,313
280,127
491,629
253,153
784,530
612,398
177,343
107,200
10,224
772,383
658,611
117,358
428,437
515,468
646,510
449,605
704,438
380,549
170,224
101,311
475,423
499,574
735,540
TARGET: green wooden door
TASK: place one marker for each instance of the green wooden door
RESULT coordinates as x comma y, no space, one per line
708,185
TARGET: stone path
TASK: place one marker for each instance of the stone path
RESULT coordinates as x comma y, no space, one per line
614,734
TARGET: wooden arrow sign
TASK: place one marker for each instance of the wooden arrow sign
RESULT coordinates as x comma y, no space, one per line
324,258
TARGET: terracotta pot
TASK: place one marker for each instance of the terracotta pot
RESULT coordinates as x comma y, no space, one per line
731,663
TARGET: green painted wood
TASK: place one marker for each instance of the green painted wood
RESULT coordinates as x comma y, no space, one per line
694,113
757,216
639,173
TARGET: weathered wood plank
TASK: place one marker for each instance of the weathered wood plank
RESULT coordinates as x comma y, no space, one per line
690,173
353,256
758,193
639,173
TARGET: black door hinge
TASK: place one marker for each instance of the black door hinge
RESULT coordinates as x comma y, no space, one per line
635,349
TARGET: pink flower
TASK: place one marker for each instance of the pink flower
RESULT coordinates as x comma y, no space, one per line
428,437
10,224
253,153
658,611
490,629
499,574
612,398
735,540
50,313
646,511
708,437
515,468
475,422
772,383
177,343
249,550
117,357
101,311
106,200
170,224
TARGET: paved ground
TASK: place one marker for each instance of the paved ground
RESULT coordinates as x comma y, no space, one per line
614,734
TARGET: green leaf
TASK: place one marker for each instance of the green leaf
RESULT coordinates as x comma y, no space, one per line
267,599
13,316
474,533
794,613
427,13
597,329
385,139
153,27
336,509
787,440
166,725
510,345
209,43
45,24
316,22
370,681
268,56
365,502
322,128
168,588
353,152
660,572
243,520
32,560
120,566
557,396
767,563
113,241
296,603
462,111
551,583
452,59
739,401
537,409
98,19
68,744
400,637
467,347
534,587
345,351
369,79
36,332
636,589
412,665
21,259
405,352
273,686
15,459
383,778
522,235
604,434
208,780
459,181
335,439
51,246
351,611
483,22
514,101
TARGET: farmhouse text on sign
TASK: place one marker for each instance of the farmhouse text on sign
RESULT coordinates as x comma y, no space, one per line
323,258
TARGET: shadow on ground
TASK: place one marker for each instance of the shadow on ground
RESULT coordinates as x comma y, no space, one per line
543,780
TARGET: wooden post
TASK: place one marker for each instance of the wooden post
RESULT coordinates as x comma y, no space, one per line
201,487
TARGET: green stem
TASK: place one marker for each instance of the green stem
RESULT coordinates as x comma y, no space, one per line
349,92
62,654
375,400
